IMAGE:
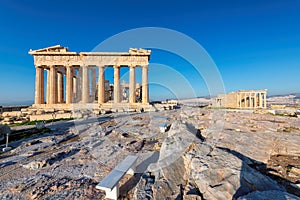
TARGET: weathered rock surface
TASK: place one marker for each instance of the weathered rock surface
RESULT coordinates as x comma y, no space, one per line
206,154
272,194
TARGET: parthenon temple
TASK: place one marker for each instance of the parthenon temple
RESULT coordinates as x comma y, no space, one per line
249,99
71,78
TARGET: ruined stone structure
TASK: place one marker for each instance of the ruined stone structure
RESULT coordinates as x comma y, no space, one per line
242,99
79,71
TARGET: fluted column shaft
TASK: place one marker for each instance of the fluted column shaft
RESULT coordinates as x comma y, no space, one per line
53,85
79,84
260,100
75,87
69,85
48,86
85,85
254,100
132,96
265,100
39,86
145,98
93,95
60,87
117,90
101,85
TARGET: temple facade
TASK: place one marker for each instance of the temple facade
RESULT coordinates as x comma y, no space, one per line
71,78
249,99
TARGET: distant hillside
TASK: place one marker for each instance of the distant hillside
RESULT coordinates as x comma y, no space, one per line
288,99
17,103
297,95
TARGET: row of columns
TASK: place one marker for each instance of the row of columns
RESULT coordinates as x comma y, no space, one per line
55,85
252,99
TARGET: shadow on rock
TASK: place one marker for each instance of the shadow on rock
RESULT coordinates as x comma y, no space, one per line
256,182
140,169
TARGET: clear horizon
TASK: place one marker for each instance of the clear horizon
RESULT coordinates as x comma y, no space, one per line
255,45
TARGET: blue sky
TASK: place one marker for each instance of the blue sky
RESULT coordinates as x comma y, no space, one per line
255,44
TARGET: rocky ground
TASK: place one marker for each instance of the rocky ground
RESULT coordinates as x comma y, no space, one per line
204,154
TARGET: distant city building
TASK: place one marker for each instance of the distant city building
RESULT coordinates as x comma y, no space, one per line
242,99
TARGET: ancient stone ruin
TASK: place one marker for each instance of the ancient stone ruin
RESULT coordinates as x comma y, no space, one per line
71,82
250,99
59,62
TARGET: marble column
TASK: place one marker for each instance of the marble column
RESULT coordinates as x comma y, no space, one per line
265,100
132,95
251,101
145,98
79,84
101,85
53,85
93,95
117,89
260,100
75,89
69,85
48,86
39,85
255,100
60,87
248,100
85,85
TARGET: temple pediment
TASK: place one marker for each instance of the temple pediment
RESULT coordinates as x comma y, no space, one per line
59,50
59,55
56,48
135,51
